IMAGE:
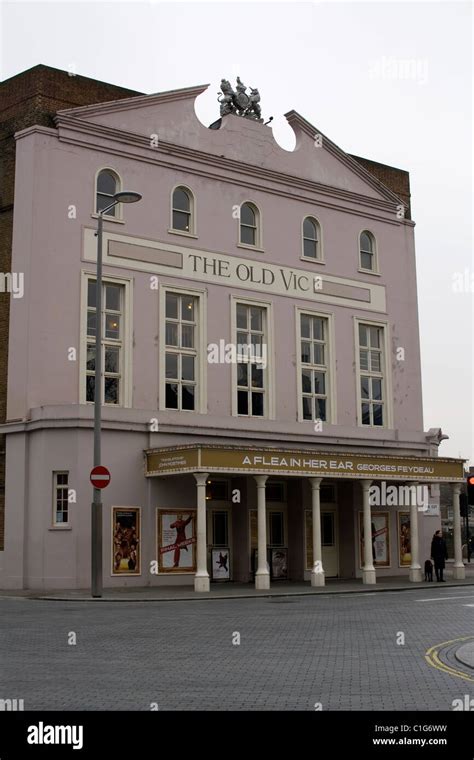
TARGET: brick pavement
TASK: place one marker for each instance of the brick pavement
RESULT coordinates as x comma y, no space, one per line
294,652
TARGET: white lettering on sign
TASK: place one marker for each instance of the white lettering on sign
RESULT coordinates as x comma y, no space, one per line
336,465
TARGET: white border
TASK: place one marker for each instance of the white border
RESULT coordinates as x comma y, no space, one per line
192,198
119,207
387,373
201,349
64,525
360,268
320,248
127,359
269,410
332,395
259,231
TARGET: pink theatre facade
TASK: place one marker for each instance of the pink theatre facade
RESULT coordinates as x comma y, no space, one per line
262,400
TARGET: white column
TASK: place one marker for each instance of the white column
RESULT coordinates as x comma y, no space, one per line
459,571
415,574
262,576
201,579
368,571
317,573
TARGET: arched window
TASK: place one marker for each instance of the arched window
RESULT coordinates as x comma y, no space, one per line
367,251
249,224
182,210
108,183
311,238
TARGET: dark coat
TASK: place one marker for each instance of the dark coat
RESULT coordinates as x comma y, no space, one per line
439,551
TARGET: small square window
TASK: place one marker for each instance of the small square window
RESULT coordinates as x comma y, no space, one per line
257,404
171,306
187,397
111,390
307,408
171,396
112,297
242,402
112,326
172,366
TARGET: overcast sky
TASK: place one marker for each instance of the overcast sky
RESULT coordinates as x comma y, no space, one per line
388,81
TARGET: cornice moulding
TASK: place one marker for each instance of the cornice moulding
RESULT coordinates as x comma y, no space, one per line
69,126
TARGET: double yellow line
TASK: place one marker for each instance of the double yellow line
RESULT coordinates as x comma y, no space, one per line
432,658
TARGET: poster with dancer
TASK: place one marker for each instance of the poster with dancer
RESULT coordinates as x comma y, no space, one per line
126,541
177,541
220,564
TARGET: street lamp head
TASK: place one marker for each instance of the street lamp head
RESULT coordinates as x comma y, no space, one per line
127,196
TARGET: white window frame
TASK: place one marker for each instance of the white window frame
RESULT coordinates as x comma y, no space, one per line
118,218
331,406
127,341
319,247
375,254
269,404
387,374
54,524
192,233
259,227
201,348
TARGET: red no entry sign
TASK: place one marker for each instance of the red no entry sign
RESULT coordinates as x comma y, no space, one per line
100,476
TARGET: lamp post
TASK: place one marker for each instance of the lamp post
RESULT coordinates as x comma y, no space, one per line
96,516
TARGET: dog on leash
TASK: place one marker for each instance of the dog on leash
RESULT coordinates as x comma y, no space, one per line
428,570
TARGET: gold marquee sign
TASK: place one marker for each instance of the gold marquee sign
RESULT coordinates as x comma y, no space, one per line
181,459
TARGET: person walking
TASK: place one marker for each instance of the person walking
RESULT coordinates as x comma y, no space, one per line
439,554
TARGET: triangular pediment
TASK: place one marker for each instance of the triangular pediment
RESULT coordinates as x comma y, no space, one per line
170,117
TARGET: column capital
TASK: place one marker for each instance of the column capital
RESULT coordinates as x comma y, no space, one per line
365,484
261,480
315,483
457,487
201,478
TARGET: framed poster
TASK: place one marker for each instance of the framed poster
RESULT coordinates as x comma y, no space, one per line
380,539
404,539
126,559
279,564
176,541
220,564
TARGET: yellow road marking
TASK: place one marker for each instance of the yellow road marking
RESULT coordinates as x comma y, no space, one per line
432,658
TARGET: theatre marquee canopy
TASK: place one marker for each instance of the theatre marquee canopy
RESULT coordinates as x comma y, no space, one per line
181,459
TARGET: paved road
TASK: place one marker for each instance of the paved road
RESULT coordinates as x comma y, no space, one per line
294,652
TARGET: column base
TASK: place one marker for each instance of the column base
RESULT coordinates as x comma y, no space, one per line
262,581
202,583
318,578
415,575
459,573
369,576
